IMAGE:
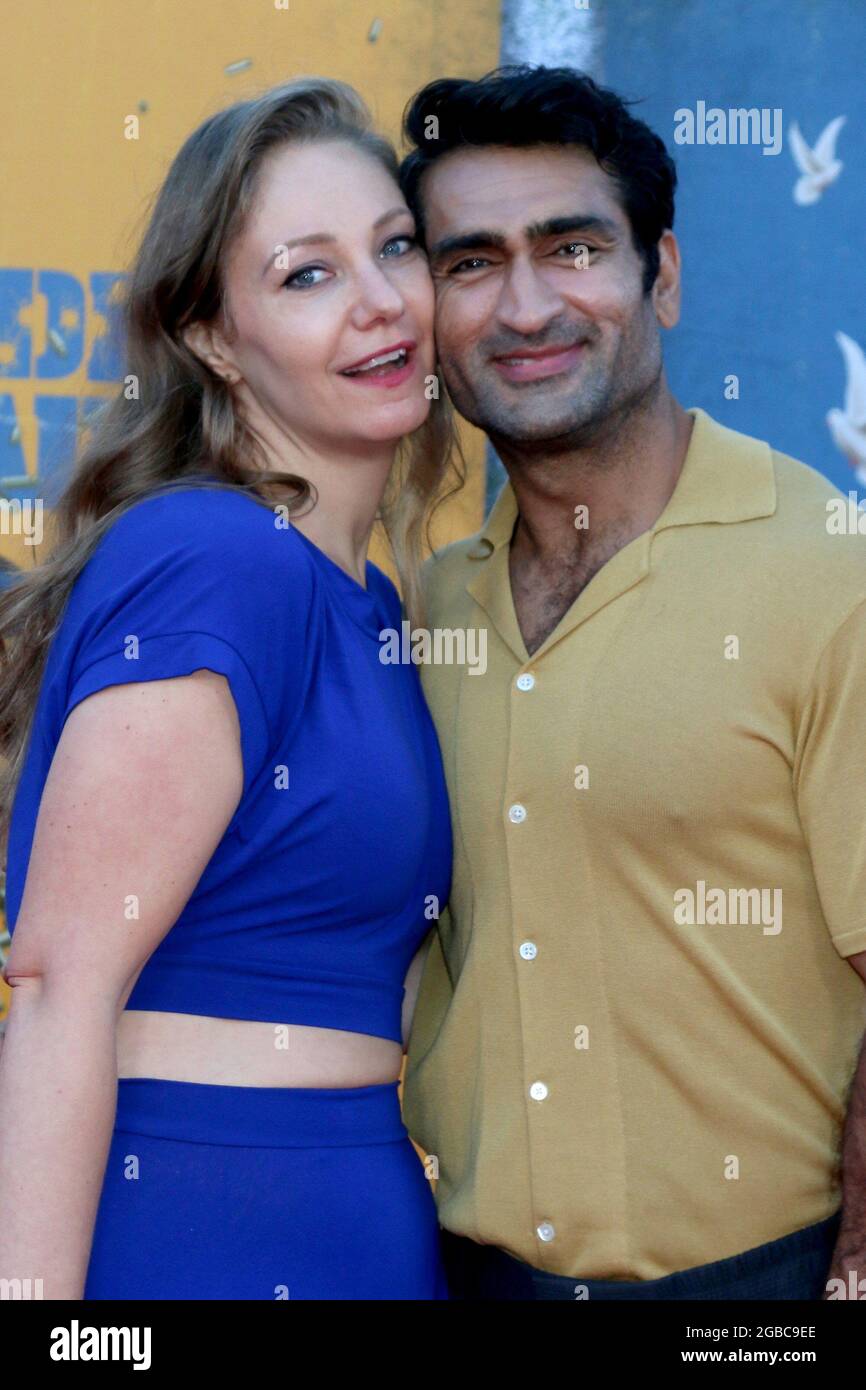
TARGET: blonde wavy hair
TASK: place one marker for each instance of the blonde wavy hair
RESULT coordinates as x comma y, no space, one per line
183,422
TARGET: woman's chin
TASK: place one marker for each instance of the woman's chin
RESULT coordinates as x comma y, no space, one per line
393,422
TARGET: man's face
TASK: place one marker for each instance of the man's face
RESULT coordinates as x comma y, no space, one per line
504,230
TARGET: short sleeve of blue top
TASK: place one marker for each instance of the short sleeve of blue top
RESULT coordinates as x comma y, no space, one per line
338,857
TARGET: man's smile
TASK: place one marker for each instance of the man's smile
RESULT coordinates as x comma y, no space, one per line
538,363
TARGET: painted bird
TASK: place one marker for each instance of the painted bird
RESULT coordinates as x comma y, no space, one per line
818,167
848,426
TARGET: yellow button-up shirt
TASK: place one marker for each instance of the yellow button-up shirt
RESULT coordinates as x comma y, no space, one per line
624,1063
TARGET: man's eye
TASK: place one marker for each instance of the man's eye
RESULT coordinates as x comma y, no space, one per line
574,248
410,241
295,279
470,262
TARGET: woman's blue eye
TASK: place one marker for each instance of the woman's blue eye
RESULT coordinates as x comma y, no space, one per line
305,270
407,237
295,279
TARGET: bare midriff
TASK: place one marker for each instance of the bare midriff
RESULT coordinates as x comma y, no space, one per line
241,1052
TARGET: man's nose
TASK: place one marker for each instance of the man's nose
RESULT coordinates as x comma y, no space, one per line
526,302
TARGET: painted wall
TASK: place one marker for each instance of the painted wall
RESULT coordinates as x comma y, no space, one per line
75,190
768,281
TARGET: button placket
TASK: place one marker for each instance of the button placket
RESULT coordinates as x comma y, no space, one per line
538,1091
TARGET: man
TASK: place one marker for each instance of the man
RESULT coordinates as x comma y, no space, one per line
637,1033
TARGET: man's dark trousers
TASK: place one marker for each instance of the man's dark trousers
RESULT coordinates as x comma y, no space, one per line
794,1267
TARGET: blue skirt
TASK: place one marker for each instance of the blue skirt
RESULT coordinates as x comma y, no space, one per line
246,1192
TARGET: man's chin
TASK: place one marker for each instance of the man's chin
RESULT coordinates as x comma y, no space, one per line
565,431
557,412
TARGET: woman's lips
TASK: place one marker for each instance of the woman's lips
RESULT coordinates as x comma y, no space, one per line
534,368
389,375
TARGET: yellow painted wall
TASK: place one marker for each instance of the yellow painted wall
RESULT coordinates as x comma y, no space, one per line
75,190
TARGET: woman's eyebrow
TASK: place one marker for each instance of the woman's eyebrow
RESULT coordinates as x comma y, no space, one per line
317,238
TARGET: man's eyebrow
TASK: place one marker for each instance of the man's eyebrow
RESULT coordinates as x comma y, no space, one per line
317,238
466,241
576,222
536,231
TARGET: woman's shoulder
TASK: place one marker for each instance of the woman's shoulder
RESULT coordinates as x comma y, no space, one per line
204,559
195,573
193,512
209,526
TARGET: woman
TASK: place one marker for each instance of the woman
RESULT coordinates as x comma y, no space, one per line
230,814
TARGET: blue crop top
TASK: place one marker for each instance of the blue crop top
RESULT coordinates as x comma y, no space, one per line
338,856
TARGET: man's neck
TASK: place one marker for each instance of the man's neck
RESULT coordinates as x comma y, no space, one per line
599,496
577,509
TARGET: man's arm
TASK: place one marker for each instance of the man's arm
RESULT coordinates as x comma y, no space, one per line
850,1251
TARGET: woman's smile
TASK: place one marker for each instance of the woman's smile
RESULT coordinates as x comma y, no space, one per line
389,367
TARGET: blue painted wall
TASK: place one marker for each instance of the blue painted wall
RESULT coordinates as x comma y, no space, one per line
767,283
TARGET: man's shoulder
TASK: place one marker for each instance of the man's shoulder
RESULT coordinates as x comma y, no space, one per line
806,527
806,557
799,485
816,524
801,482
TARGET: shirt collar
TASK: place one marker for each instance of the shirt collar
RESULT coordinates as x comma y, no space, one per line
726,476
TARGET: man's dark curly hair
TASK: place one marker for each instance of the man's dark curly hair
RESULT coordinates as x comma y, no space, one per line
523,104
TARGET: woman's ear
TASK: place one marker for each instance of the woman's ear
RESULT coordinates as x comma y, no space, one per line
207,344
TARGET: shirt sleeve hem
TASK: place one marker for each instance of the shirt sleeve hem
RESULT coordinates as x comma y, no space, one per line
179,654
850,942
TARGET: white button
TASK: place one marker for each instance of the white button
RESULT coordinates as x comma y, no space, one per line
517,813
525,682
528,950
546,1230
538,1090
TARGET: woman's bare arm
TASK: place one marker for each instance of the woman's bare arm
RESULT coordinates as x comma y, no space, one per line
144,781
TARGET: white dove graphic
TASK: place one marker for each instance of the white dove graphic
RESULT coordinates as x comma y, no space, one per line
848,426
818,167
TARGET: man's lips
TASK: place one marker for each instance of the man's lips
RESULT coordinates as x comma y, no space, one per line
532,365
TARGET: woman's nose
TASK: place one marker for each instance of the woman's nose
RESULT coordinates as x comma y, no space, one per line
376,294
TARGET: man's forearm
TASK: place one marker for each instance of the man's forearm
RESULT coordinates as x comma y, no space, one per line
850,1252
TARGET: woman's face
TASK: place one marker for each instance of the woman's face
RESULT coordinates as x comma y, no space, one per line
325,274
